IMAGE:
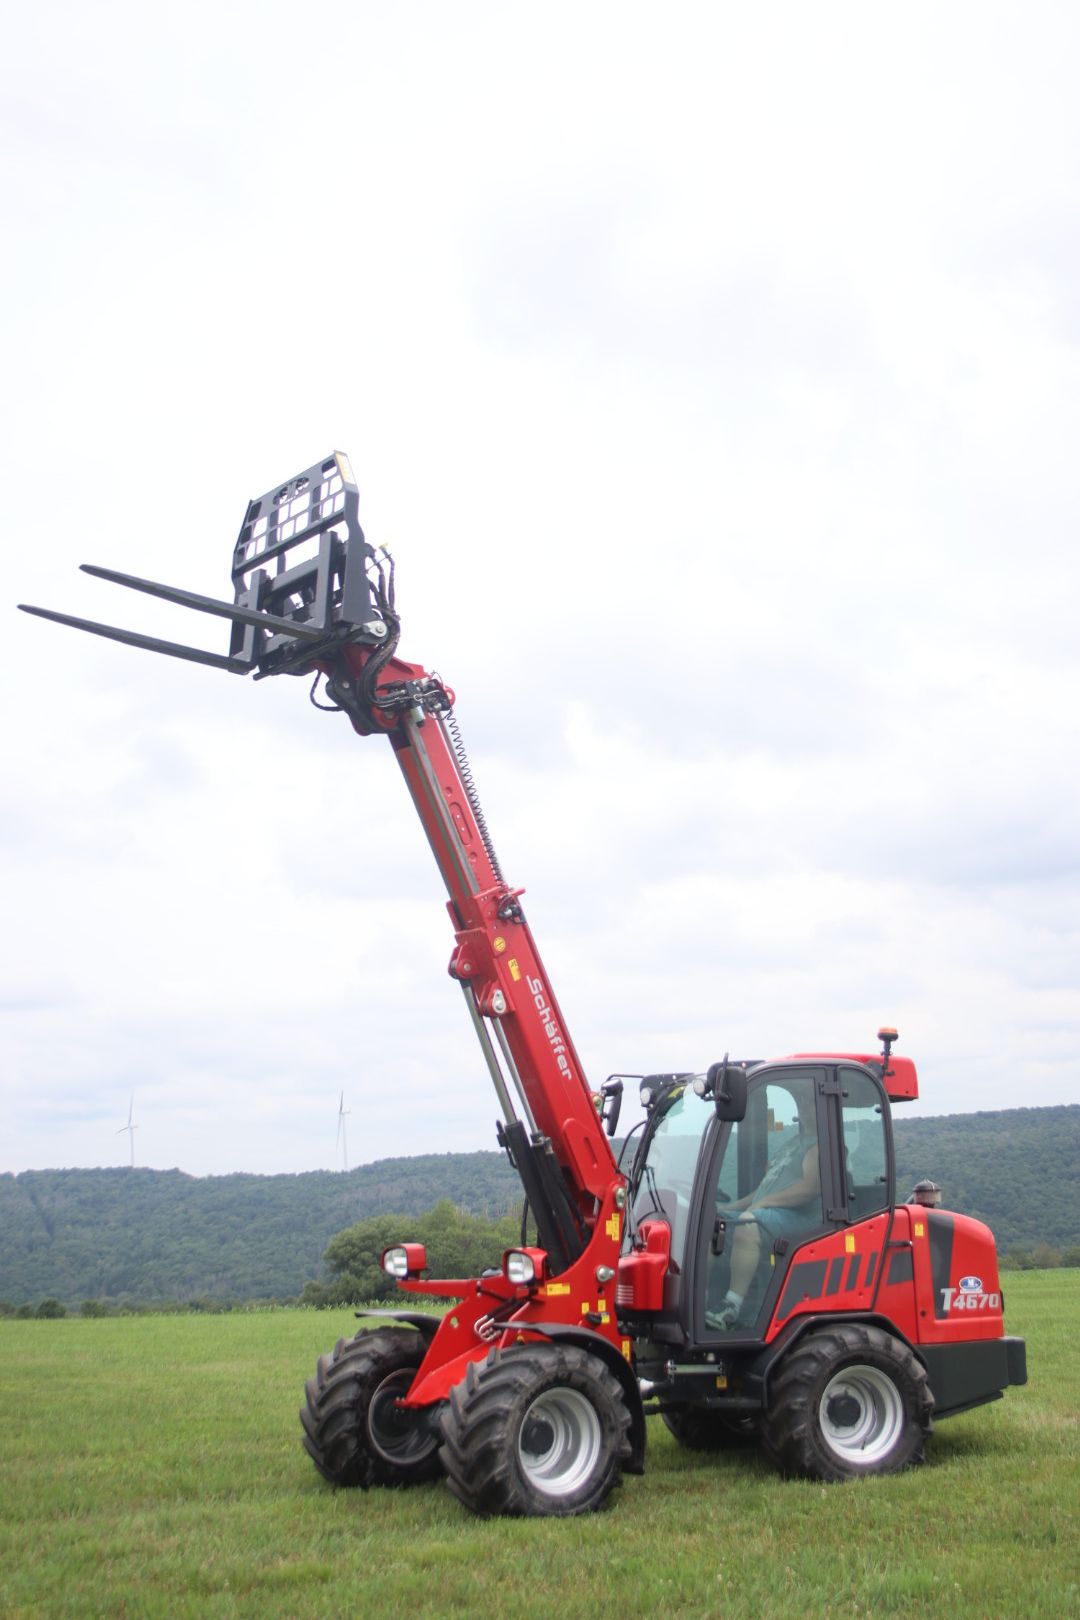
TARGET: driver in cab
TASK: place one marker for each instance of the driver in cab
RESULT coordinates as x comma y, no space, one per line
787,1199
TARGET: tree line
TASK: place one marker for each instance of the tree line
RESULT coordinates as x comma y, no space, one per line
125,1238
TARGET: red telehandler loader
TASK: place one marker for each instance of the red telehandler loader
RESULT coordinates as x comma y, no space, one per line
750,1275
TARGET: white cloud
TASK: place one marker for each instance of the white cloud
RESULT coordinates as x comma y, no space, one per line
716,382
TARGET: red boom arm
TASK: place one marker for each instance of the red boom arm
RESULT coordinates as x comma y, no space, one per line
510,999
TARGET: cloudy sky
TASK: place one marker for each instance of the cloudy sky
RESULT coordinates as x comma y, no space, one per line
713,373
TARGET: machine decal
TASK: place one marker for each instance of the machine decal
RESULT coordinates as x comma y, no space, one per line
613,1227
970,1296
852,1272
515,971
836,1271
551,1028
900,1268
804,1281
942,1237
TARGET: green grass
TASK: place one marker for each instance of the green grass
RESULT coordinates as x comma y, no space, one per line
152,1467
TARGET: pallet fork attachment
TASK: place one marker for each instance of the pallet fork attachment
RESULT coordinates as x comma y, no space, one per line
301,576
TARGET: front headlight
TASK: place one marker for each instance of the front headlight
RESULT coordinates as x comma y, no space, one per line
404,1260
524,1266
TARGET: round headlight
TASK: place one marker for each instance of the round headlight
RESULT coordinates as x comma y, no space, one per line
395,1262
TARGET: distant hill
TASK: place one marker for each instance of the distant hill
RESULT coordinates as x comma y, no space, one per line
1018,1170
150,1235
133,1235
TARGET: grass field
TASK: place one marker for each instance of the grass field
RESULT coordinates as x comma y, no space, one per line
152,1466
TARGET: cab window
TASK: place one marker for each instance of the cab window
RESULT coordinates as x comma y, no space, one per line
866,1163
667,1179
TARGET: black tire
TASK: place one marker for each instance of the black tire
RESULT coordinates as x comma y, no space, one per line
536,1430
699,1429
848,1401
353,1432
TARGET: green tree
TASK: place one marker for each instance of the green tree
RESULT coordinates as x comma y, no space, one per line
457,1245
51,1308
352,1259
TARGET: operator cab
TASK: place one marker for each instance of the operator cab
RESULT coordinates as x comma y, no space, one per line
728,1201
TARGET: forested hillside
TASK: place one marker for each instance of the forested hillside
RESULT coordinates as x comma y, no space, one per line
161,1234
1018,1170
147,1235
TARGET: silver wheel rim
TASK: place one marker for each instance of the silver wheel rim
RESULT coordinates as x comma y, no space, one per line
861,1415
559,1442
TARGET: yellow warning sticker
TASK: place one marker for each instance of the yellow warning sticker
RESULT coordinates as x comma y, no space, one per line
555,1288
613,1227
849,1243
498,944
920,1229
515,971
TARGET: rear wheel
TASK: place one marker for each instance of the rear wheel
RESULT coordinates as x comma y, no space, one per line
848,1401
537,1430
354,1431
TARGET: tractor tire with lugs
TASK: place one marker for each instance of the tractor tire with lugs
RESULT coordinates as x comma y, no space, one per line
354,1432
848,1401
536,1430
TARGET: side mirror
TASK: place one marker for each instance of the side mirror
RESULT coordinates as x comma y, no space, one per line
611,1091
728,1086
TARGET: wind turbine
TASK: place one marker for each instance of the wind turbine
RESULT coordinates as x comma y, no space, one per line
342,1115
131,1129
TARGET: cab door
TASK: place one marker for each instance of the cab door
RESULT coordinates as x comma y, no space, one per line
775,1182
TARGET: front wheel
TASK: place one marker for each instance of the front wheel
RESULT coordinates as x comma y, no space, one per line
354,1431
848,1401
536,1430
